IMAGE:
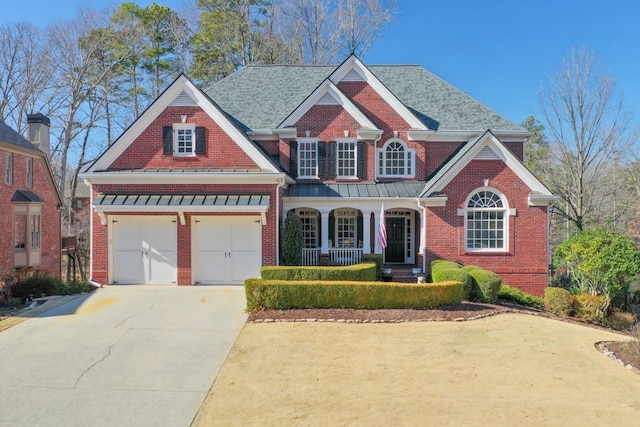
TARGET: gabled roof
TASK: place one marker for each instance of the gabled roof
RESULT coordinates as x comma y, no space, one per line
11,137
488,147
327,93
26,196
262,96
182,88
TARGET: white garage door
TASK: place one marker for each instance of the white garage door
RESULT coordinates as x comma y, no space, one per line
144,249
225,250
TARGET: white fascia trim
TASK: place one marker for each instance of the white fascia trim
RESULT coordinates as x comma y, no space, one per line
371,204
184,178
354,63
488,139
465,135
180,210
159,105
542,200
328,87
370,134
434,202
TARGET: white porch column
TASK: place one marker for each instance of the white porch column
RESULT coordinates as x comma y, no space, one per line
423,238
324,227
366,231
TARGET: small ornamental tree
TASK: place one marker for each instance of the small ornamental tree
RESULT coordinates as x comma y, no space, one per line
601,262
292,240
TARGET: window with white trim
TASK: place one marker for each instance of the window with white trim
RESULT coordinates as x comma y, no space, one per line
29,173
307,159
486,222
184,139
8,169
309,219
346,158
395,159
346,228
27,234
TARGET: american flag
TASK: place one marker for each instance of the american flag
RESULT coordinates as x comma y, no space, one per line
381,242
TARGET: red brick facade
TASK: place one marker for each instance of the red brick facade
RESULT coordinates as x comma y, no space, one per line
50,213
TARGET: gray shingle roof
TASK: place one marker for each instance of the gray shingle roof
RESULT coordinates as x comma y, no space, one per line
12,137
260,97
409,189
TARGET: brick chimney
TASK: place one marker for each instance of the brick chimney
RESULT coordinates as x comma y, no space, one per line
39,130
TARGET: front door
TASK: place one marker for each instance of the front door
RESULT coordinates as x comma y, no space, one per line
395,240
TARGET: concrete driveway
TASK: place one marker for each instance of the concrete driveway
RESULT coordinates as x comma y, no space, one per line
128,356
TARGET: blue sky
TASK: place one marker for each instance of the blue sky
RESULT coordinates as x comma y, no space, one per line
498,51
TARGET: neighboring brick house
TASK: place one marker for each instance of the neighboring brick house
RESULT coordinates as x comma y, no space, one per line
195,191
31,202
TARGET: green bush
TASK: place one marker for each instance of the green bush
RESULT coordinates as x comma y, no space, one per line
377,258
292,240
589,307
283,295
440,264
457,274
72,287
558,301
471,267
511,294
365,272
35,286
486,285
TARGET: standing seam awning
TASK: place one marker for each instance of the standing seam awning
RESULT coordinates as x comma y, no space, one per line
181,203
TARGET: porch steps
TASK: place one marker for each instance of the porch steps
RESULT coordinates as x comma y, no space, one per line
402,273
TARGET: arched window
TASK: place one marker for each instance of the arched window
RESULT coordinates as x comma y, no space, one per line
395,159
486,221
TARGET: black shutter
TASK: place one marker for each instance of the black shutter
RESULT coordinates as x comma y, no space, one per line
332,234
167,140
293,159
318,230
201,140
322,159
332,159
359,230
362,160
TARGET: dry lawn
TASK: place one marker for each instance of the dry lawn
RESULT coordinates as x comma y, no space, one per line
510,369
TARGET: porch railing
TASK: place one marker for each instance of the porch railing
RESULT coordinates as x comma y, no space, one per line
310,256
345,256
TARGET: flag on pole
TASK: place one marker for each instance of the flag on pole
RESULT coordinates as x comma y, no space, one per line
381,242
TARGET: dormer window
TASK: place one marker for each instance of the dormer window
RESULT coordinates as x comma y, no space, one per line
183,140
395,159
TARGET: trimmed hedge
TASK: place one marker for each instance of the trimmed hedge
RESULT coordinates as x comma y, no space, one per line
558,301
456,274
441,264
377,258
283,295
511,294
471,267
486,285
363,272
589,307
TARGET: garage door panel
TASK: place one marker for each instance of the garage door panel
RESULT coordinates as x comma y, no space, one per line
209,267
128,267
245,265
245,235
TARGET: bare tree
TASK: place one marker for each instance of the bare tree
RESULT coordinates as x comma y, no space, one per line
587,128
25,73
360,22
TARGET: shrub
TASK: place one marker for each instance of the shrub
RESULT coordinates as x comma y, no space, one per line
35,286
439,264
471,267
511,294
358,272
558,301
377,258
457,274
590,307
620,320
486,285
283,295
72,287
292,240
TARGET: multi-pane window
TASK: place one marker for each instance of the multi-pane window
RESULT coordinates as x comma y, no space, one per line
345,228
309,219
395,159
20,231
8,169
35,231
27,234
184,139
29,175
308,159
485,221
346,157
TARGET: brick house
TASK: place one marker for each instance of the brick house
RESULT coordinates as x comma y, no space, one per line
31,202
195,191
